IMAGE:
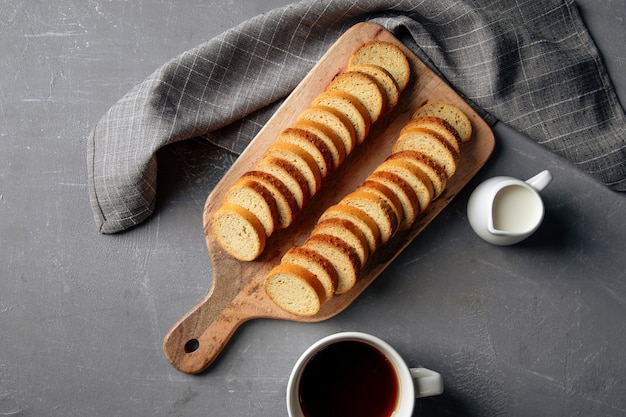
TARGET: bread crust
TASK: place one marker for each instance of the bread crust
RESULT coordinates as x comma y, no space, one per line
418,180
385,193
301,160
311,144
437,125
330,138
288,175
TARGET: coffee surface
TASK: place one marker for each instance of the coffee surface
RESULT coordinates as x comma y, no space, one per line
348,378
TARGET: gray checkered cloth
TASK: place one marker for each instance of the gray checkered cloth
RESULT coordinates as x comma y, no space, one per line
530,64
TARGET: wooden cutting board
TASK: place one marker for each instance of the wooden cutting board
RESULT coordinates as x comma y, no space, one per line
237,293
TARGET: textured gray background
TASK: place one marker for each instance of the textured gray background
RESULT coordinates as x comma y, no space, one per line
535,329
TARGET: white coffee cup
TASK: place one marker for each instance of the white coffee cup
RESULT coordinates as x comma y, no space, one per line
410,383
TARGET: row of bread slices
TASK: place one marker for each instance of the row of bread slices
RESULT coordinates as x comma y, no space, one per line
329,262
293,168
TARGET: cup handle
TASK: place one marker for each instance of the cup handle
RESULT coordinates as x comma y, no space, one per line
426,382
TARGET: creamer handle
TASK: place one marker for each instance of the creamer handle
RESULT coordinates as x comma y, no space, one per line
541,180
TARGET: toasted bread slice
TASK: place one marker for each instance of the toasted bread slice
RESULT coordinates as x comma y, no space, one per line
450,113
432,169
289,175
431,144
388,56
377,208
341,255
365,88
359,218
350,106
437,125
316,264
238,232
405,194
414,176
294,289
313,145
335,121
299,158
384,80
346,231
286,203
385,193
257,199
330,138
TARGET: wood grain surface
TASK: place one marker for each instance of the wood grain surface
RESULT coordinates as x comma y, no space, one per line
237,293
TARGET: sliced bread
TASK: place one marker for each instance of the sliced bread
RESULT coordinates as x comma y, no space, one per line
406,195
350,106
384,80
238,232
341,255
431,144
346,231
330,138
315,263
294,289
437,125
432,169
313,145
377,209
359,218
335,121
415,177
286,203
385,193
258,200
365,88
450,113
289,175
299,158
386,55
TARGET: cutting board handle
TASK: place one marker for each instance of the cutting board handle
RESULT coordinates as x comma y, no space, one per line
197,338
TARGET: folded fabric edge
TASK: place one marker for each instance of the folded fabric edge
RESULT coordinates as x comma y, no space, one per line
104,224
97,212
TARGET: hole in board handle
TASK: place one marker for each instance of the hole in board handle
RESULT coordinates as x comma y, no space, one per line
192,345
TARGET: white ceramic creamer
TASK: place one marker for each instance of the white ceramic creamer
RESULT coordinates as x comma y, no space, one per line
506,210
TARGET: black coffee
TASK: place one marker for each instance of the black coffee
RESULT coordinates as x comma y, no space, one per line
348,378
